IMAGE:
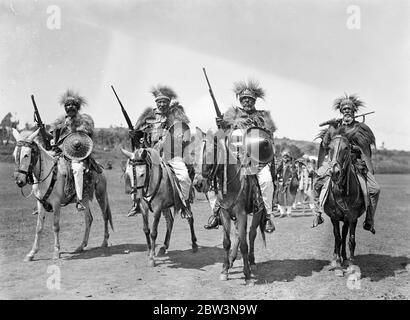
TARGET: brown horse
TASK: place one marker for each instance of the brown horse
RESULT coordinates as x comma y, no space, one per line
215,164
344,202
153,182
47,174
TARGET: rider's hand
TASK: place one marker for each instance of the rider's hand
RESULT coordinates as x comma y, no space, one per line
221,123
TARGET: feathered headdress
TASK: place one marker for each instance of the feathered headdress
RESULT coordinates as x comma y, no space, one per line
163,92
250,89
73,97
352,99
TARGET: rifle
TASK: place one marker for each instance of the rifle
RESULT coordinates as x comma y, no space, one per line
218,112
127,118
336,121
40,125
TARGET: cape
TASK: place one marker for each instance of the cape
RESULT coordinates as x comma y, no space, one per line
237,117
81,121
174,113
358,134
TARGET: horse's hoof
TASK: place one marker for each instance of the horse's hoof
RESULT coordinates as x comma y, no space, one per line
352,269
333,265
223,277
28,258
151,263
253,267
104,244
161,252
194,248
79,250
56,255
338,272
249,283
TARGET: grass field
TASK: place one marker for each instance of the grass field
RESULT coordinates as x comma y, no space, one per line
294,264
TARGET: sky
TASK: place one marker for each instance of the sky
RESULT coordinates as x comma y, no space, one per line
303,53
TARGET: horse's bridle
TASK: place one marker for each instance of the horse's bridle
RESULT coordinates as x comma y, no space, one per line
346,161
145,186
35,155
134,163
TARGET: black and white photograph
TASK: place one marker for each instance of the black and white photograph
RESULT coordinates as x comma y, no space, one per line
224,151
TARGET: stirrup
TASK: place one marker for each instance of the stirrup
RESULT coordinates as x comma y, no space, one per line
369,227
213,223
269,226
317,220
135,209
79,206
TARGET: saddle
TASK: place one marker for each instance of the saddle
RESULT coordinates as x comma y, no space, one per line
69,187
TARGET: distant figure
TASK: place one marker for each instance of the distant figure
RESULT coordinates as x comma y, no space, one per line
288,184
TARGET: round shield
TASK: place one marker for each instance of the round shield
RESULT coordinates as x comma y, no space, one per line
77,146
259,145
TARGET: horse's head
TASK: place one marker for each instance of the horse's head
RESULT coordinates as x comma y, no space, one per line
26,156
339,156
205,159
137,170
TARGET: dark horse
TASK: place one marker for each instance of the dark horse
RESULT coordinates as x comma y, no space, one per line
215,164
344,201
150,175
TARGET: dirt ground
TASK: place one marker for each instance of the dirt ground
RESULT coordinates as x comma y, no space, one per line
294,264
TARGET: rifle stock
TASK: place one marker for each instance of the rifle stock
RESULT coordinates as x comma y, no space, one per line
40,125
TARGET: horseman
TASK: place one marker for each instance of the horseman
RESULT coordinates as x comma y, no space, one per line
361,138
74,121
244,117
165,128
284,171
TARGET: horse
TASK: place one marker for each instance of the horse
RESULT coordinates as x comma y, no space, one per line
288,184
153,181
47,175
344,202
216,164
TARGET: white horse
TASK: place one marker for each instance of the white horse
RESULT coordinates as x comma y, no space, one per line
47,174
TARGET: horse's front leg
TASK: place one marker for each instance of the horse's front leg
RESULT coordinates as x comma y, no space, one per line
39,228
252,236
88,221
243,245
336,265
154,234
170,223
226,223
352,246
56,230
191,228
345,230
146,230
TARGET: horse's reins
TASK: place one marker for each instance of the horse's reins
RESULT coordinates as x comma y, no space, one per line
225,181
35,157
147,197
344,174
